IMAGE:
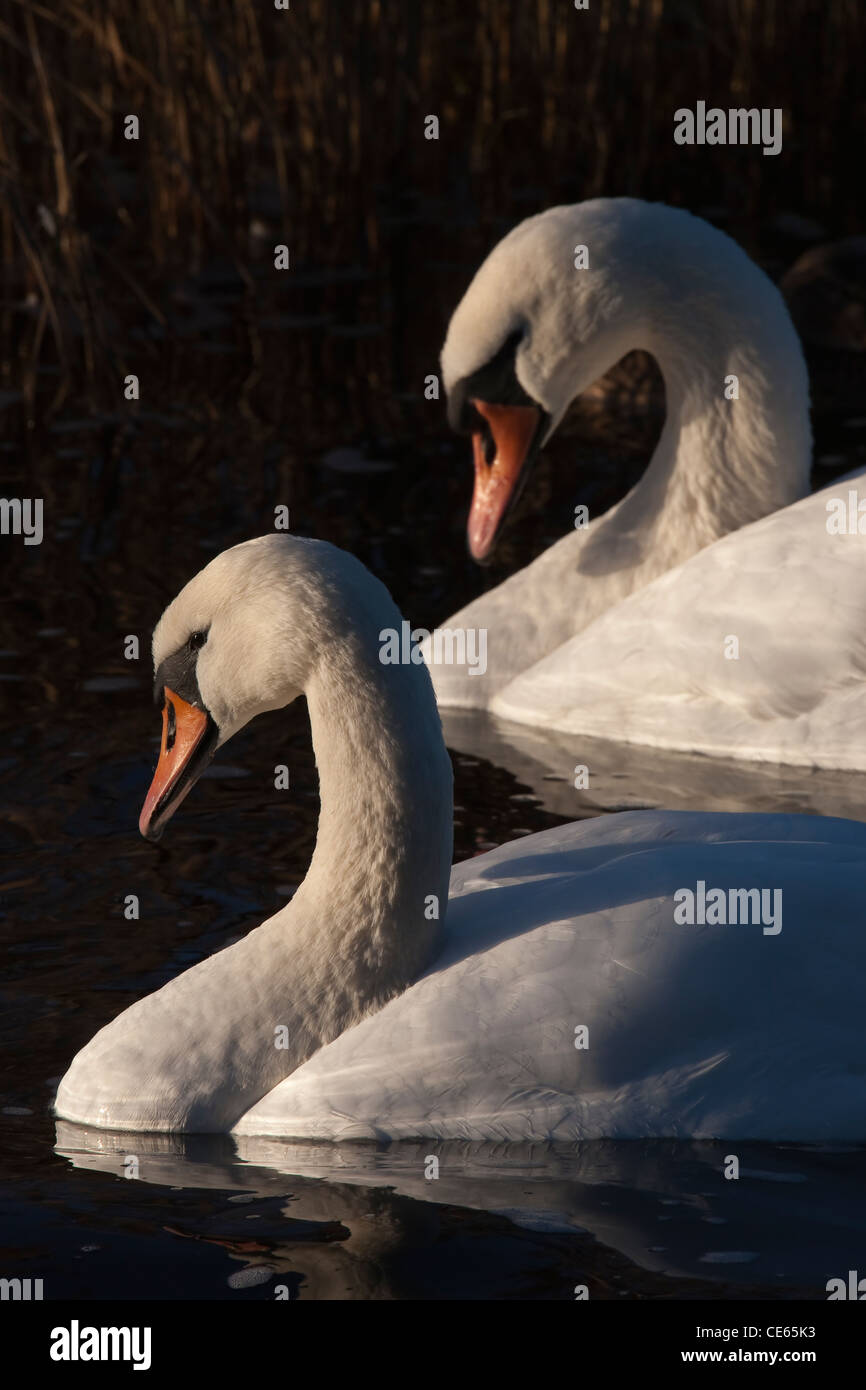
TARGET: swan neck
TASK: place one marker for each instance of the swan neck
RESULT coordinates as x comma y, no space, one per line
736,443
380,869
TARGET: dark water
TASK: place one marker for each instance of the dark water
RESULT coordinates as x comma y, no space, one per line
133,508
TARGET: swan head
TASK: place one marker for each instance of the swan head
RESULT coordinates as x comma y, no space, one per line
244,636
535,328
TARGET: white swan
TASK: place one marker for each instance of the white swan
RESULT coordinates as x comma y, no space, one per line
312,1026
532,332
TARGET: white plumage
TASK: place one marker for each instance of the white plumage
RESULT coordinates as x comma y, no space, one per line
755,648
692,1030
619,629
396,1030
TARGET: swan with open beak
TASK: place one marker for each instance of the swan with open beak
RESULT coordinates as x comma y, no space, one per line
507,426
189,737
188,744
512,431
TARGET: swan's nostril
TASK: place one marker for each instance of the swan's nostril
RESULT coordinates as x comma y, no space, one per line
489,445
484,446
171,726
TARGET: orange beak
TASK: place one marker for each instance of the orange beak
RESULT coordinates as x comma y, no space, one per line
189,738
496,484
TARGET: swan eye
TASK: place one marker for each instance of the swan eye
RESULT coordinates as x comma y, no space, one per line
196,640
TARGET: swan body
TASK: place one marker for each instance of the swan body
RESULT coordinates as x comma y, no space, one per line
662,281
692,1031
395,1020
754,648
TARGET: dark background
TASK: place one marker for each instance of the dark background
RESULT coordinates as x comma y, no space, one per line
306,128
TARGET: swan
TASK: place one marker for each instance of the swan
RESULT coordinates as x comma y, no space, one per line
533,331
560,997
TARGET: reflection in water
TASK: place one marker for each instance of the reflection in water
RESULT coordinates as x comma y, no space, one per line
365,1221
625,777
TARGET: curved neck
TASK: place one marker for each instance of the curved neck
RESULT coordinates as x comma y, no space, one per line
722,460
736,442
384,841
367,918
729,453
360,929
